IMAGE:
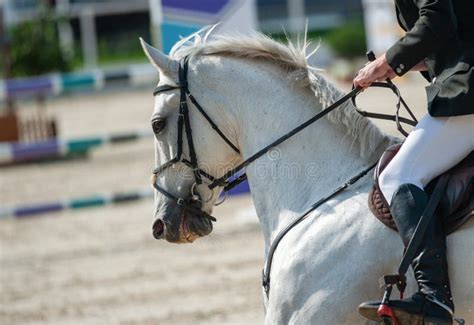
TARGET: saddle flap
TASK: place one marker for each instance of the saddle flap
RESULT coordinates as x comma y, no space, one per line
456,205
460,185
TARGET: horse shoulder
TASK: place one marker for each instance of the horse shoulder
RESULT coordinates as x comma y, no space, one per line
312,262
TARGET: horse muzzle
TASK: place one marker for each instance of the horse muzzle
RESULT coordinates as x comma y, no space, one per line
182,224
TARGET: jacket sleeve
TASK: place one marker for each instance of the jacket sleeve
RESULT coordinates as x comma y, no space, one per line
435,25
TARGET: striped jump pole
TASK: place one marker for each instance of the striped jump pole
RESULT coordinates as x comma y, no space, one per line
11,152
31,210
56,84
91,201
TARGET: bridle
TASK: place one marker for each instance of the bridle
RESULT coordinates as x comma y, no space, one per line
191,203
229,179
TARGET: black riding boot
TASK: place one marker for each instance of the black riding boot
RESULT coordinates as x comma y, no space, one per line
433,303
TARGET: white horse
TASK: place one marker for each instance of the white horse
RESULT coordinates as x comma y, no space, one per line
256,89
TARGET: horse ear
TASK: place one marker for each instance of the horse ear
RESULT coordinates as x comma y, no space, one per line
163,63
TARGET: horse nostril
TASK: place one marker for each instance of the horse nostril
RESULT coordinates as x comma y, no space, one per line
158,229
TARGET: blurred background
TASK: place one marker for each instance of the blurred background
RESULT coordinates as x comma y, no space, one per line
76,152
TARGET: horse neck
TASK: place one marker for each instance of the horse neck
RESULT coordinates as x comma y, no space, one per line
301,170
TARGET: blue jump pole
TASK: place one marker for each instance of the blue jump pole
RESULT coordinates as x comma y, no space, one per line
55,84
98,200
11,152
31,210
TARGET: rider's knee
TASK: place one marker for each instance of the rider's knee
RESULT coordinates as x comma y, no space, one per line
386,184
392,178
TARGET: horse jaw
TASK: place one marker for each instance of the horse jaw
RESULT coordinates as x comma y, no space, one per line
163,63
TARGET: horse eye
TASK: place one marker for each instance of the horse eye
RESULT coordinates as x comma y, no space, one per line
158,125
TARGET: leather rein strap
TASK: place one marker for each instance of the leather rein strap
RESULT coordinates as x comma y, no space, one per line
389,84
224,180
396,118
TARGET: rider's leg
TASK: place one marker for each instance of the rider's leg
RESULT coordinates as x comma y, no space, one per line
430,265
433,147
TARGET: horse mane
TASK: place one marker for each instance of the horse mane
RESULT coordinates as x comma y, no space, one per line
293,59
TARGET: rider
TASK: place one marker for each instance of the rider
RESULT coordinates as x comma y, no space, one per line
439,42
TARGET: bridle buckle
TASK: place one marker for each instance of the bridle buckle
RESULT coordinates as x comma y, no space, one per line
194,193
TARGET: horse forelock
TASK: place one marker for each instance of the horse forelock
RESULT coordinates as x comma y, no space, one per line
293,59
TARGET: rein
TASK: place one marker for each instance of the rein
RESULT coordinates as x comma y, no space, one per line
225,181
396,118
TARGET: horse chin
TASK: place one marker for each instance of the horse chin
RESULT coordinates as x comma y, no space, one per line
191,227
186,234
196,227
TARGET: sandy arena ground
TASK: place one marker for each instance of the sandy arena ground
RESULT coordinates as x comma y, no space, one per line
102,266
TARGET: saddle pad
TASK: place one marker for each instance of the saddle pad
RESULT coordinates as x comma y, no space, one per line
456,205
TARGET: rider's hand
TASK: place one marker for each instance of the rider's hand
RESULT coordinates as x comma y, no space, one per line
378,70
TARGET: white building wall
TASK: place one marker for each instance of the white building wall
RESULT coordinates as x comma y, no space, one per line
381,25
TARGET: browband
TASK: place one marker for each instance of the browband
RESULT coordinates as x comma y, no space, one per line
163,88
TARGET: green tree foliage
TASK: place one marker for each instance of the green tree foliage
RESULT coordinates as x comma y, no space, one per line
348,40
35,47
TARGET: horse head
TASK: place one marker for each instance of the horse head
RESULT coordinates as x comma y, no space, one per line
189,153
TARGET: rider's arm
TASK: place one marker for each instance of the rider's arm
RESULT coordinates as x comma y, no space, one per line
435,25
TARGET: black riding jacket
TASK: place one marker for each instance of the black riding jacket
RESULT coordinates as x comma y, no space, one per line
441,32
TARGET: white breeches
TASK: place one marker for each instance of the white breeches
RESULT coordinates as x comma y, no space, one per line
434,146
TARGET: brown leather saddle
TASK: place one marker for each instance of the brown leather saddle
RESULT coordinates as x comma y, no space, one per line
456,205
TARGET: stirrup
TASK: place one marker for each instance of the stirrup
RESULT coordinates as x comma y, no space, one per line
384,311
